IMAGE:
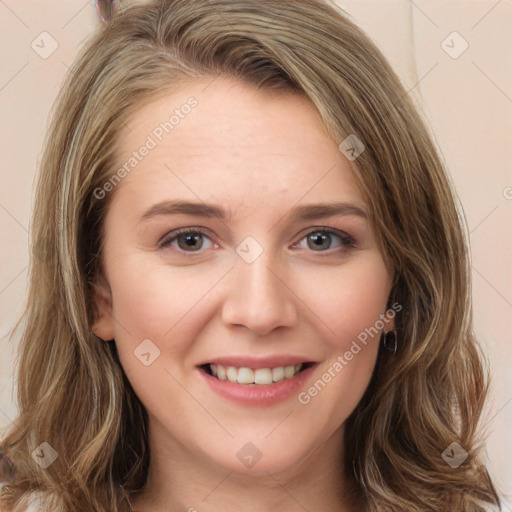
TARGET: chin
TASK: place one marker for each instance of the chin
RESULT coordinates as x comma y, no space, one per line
259,458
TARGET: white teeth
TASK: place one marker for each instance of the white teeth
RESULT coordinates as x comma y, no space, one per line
277,374
261,376
245,376
231,373
289,371
221,372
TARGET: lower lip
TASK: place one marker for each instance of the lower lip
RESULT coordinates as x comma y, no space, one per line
256,394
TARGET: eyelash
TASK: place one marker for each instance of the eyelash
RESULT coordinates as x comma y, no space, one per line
347,242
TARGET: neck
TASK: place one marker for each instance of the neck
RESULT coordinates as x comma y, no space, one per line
180,481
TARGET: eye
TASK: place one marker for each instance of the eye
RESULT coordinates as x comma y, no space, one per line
192,240
187,240
321,239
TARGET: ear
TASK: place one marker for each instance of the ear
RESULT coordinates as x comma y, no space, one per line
390,315
103,325
389,322
393,307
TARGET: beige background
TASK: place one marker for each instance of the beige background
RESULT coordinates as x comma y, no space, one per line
467,100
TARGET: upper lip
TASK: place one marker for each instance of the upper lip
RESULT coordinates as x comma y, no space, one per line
258,362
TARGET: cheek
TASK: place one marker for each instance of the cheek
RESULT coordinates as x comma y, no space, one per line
349,300
166,307
350,306
165,304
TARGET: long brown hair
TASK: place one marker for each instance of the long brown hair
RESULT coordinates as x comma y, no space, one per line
72,392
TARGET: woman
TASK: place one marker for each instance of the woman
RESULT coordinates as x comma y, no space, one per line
257,278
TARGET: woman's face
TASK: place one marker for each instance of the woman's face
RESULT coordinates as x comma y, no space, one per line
262,279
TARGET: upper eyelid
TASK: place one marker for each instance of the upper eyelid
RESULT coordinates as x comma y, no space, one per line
180,231
346,237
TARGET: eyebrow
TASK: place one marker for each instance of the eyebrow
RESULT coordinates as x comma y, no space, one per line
299,213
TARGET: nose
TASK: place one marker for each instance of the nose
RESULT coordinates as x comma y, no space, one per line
259,297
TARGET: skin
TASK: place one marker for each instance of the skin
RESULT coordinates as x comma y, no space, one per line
259,154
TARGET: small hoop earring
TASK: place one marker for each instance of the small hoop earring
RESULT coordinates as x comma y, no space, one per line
389,341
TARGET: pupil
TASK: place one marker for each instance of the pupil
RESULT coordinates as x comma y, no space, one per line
190,241
320,241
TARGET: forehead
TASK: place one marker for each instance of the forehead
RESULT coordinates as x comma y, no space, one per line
226,139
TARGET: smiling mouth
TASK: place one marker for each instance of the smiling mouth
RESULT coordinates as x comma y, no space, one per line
259,377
